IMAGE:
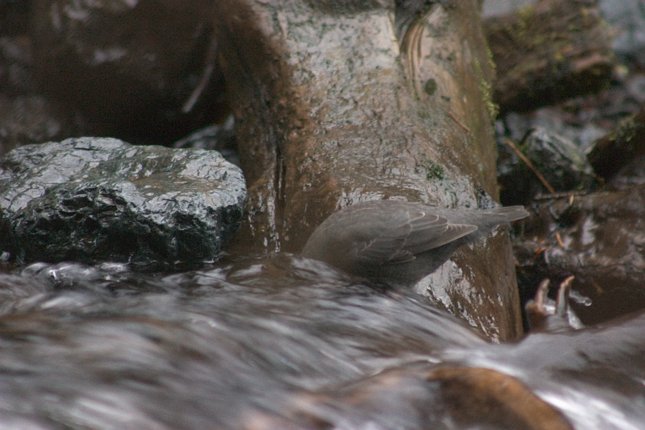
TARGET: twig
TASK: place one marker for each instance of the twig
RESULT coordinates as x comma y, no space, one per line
558,239
209,67
530,165
459,123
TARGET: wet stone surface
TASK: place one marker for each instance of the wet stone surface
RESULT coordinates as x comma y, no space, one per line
563,165
97,199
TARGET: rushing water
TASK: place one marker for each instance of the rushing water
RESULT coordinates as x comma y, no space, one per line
280,342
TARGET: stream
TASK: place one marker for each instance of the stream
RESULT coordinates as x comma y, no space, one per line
277,342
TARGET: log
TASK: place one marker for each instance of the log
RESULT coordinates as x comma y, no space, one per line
336,104
549,52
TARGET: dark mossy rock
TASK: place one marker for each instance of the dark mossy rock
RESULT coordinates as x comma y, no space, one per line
561,164
34,119
97,199
142,69
548,52
621,147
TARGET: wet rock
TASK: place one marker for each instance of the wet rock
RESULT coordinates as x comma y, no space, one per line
618,148
426,398
603,364
542,162
94,199
144,69
630,175
584,119
553,118
599,239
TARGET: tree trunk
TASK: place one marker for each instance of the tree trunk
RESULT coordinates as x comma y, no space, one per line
339,102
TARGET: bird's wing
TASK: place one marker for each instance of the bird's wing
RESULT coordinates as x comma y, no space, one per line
409,233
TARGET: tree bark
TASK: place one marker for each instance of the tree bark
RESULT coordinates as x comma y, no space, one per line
336,105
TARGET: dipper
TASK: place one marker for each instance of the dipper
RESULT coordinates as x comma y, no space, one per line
399,242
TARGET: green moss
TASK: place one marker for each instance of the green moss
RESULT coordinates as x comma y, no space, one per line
487,93
433,170
521,31
423,111
490,58
525,15
430,86
486,90
519,27
626,131
526,12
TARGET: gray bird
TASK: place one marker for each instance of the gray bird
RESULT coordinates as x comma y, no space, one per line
397,242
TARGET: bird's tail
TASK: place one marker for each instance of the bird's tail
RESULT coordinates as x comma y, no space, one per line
486,219
489,218
507,213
